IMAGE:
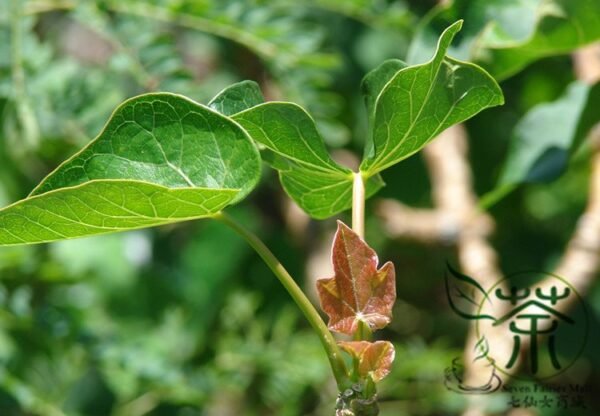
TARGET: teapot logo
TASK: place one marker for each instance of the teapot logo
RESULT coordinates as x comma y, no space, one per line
540,314
455,375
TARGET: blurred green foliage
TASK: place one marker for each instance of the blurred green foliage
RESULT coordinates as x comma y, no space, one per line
185,320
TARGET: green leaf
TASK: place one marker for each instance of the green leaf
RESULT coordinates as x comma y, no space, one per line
161,158
561,27
421,101
237,97
545,138
295,148
372,85
504,36
99,207
374,82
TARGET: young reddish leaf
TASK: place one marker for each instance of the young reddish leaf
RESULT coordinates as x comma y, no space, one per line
358,291
374,358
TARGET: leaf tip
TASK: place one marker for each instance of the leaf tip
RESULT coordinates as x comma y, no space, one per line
447,37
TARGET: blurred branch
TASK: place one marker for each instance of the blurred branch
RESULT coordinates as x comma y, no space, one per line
586,63
428,226
263,47
24,109
143,9
29,399
45,6
137,70
452,188
368,13
215,25
457,221
139,406
581,260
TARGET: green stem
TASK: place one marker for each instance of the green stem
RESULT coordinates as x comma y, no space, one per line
493,197
370,388
358,205
333,352
363,332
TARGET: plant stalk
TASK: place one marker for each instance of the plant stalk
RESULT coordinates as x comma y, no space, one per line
25,113
333,352
358,205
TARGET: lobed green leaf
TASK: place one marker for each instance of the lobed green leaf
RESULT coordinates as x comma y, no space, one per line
295,148
420,101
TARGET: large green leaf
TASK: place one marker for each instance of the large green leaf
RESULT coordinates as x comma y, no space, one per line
545,138
295,148
98,207
420,101
506,35
161,158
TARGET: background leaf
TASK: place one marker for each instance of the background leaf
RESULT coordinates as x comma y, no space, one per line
561,26
421,101
544,140
504,36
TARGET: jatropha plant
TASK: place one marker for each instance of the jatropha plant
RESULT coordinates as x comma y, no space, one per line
163,158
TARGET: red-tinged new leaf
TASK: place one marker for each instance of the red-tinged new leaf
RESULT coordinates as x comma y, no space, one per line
374,358
358,291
